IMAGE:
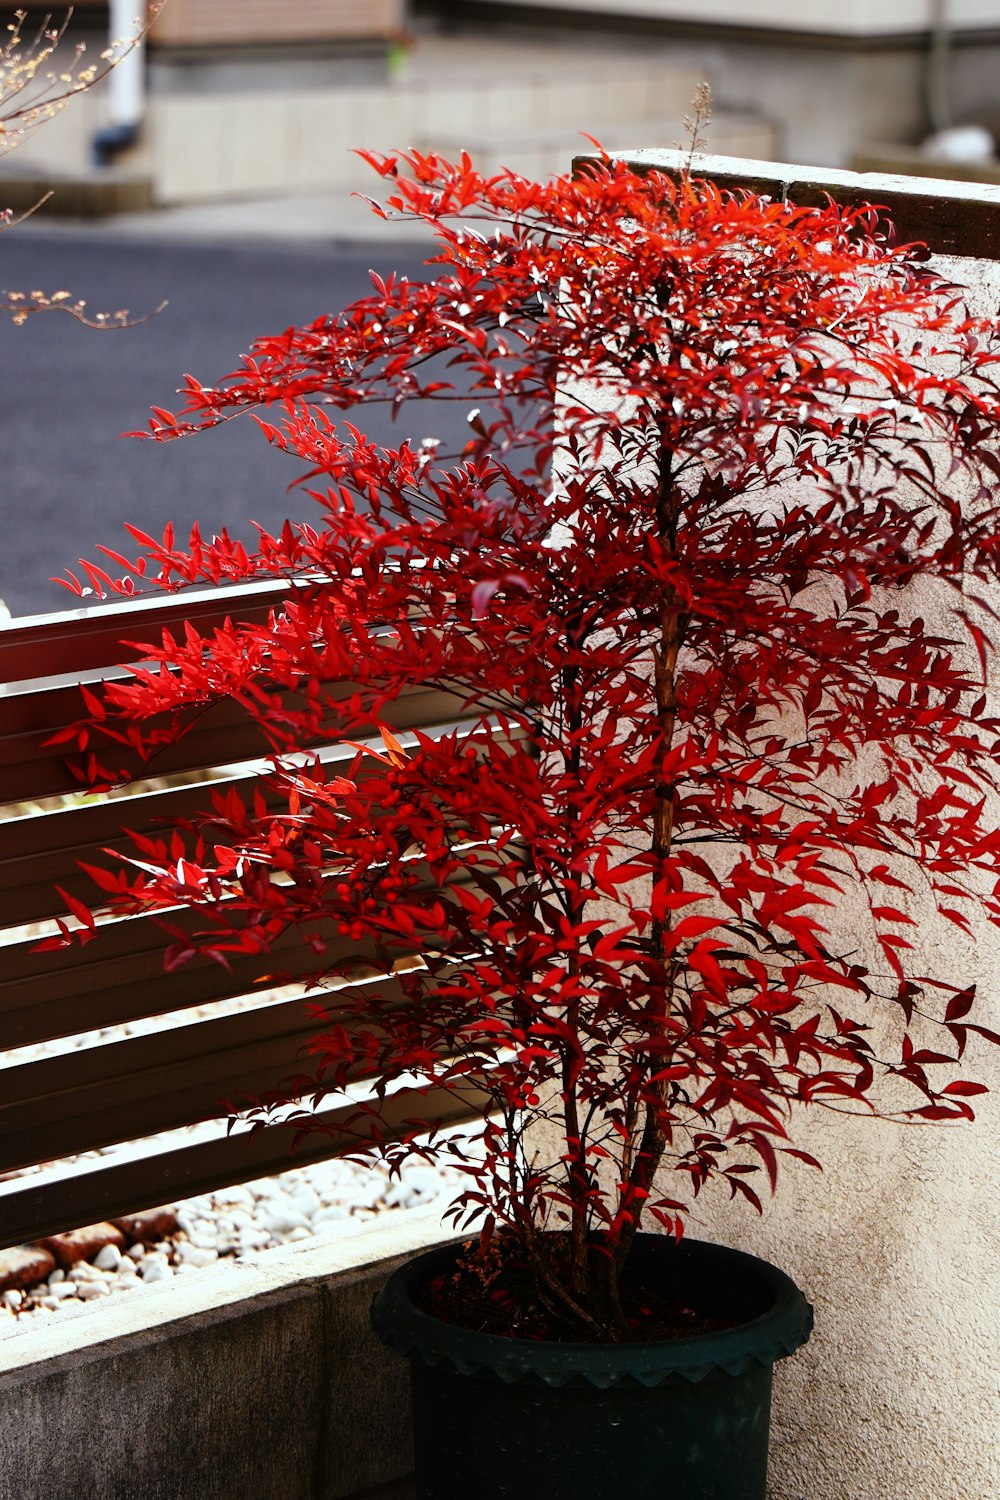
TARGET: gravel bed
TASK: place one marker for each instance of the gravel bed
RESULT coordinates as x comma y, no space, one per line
331,1199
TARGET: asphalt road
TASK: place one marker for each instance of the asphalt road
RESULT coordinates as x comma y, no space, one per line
67,479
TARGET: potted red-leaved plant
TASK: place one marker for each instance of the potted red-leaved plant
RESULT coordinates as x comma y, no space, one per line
716,444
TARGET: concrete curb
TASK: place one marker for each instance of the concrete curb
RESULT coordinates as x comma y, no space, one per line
255,1381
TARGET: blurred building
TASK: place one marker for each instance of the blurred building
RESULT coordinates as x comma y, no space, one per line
244,98
224,95
247,98
838,79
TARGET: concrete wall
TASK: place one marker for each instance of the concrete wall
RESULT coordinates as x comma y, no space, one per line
302,139
224,125
253,1381
834,78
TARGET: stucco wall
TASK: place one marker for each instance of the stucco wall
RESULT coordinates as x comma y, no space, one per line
834,78
897,1396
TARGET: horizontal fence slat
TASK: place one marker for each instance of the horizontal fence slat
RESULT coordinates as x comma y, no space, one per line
85,640
120,975
163,1081
35,1206
222,735
44,850
135,986
89,1098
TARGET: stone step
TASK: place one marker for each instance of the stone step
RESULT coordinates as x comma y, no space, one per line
83,195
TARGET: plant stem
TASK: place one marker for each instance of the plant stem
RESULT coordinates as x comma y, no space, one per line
665,653
576,1144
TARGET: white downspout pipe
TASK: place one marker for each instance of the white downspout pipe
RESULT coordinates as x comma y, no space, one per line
126,83
938,93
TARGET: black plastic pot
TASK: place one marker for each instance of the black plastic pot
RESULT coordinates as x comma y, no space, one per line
684,1419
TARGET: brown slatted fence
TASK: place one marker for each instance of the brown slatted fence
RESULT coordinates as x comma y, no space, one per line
131,1092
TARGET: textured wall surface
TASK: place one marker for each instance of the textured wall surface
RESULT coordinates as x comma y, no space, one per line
897,1395
895,1244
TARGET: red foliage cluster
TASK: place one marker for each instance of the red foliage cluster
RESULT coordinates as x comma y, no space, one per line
718,440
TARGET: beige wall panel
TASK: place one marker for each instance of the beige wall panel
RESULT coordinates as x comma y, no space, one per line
323,131
184,140
62,143
256,157
381,119
263,144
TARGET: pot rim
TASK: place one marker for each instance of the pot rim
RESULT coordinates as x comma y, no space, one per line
779,1330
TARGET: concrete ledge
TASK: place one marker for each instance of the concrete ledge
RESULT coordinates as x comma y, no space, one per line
259,1380
95,196
952,218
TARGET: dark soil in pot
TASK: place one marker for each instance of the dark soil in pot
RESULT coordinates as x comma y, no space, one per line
495,1291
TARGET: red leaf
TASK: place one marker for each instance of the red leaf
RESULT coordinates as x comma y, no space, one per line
960,1005
482,593
803,1156
177,955
691,927
82,913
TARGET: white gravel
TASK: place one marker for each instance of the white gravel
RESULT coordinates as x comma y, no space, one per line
332,1199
